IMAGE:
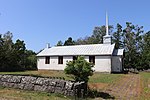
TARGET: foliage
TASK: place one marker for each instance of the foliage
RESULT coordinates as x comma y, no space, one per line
117,37
146,51
30,60
132,39
60,43
13,56
80,69
69,41
96,37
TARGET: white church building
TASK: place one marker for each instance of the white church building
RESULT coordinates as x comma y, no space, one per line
104,56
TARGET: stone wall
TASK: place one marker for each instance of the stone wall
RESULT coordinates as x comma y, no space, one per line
42,84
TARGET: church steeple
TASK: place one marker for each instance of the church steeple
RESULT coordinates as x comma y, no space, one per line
107,30
107,38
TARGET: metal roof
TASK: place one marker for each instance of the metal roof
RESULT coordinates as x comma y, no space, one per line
92,49
118,52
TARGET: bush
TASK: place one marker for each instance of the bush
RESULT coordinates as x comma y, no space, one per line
80,69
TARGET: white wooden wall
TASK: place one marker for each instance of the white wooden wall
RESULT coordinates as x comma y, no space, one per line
102,63
116,64
53,63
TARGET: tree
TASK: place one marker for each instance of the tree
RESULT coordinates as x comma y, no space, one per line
145,59
96,37
30,60
19,50
69,41
132,39
59,43
117,37
12,54
80,69
6,52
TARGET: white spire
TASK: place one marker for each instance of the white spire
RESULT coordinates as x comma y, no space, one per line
107,30
107,38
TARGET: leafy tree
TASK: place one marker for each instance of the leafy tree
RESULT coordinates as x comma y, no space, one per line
20,48
99,33
69,41
117,37
132,38
60,43
96,37
80,69
12,55
145,59
30,61
7,52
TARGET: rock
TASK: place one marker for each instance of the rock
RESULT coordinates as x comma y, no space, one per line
69,85
40,88
48,81
59,90
39,81
69,93
52,82
28,80
29,87
42,84
50,89
6,78
19,86
4,84
9,85
60,83
15,79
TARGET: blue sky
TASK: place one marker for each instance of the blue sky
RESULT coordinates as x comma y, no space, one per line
38,22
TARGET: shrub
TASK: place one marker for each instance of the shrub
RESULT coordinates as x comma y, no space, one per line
80,69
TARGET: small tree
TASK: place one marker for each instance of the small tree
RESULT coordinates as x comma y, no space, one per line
80,69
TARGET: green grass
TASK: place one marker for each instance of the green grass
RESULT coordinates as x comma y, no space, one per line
15,94
145,82
104,78
31,95
96,78
45,73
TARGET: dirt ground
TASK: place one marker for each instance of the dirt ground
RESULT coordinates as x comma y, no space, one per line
129,87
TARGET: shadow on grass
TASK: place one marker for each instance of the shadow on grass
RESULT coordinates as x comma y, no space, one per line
96,94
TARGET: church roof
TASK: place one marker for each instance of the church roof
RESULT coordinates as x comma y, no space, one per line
118,52
92,49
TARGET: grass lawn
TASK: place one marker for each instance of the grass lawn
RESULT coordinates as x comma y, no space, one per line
145,84
104,78
96,78
16,94
98,81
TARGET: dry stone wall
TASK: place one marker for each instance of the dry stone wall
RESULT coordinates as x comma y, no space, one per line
42,84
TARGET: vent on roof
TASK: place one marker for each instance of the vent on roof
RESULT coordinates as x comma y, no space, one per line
48,45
